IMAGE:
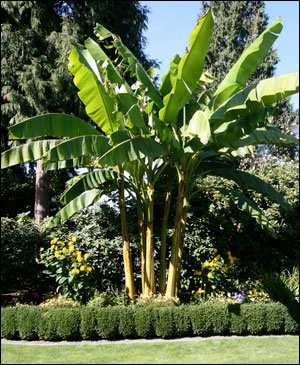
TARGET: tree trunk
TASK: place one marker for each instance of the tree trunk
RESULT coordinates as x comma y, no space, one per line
163,248
142,233
129,283
149,277
173,266
41,204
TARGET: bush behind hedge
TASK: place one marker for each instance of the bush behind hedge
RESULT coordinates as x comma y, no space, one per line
90,323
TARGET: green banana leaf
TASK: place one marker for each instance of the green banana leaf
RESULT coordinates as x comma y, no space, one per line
256,97
84,200
249,207
77,147
95,179
245,180
189,69
83,161
135,65
266,135
99,105
30,151
130,150
246,65
199,126
52,125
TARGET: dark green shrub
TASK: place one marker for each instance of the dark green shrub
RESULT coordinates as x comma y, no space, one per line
88,323
126,322
274,318
20,244
163,322
107,322
28,319
143,319
9,328
48,325
67,323
198,315
181,321
238,325
255,316
291,317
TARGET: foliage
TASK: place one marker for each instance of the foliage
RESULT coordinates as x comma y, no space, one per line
226,47
29,322
20,242
69,264
281,288
59,302
108,298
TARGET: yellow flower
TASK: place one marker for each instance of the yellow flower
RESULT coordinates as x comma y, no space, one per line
78,253
70,243
52,247
81,243
82,268
93,268
199,291
71,248
52,241
86,255
228,253
65,250
75,271
203,267
217,258
210,275
41,257
231,260
36,260
79,258
55,240
235,258
225,269
215,250
88,268
213,287
198,273
73,239
41,249
73,259
57,255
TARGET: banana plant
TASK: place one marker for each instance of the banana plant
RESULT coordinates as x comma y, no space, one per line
144,131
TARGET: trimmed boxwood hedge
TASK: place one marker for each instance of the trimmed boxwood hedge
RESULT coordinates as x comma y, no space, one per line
91,323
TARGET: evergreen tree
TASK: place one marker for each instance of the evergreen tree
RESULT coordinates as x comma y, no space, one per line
36,38
245,20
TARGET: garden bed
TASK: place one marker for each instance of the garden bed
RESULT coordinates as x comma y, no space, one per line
94,323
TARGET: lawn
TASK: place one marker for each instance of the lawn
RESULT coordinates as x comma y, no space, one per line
242,350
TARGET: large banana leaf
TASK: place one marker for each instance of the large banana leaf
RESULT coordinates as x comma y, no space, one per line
250,59
99,105
132,149
95,179
52,125
77,147
249,207
84,200
255,97
83,161
199,126
189,69
135,65
30,151
245,180
266,135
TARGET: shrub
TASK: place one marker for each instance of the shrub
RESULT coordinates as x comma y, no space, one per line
126,322
67,323
143,320
107,322
48,325
9,328
88,323
163,322
28,319
20,242
181,321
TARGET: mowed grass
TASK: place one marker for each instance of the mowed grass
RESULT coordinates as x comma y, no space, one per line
243,350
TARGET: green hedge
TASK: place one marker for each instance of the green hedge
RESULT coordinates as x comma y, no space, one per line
90,323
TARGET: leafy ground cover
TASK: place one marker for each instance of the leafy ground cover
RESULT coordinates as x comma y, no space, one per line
242,350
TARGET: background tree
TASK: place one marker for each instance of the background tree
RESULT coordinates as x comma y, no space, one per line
36,38
238,23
